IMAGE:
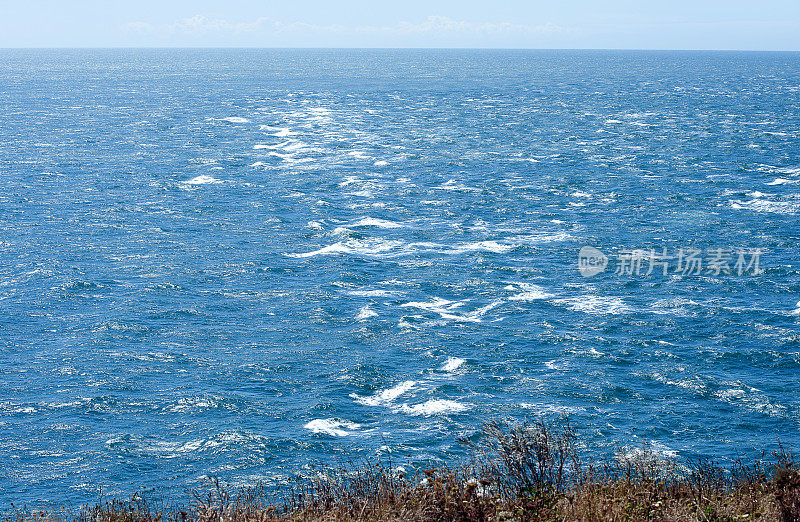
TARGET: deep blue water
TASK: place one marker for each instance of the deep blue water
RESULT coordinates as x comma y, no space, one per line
239,263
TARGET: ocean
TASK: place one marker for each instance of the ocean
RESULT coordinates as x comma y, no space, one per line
246,264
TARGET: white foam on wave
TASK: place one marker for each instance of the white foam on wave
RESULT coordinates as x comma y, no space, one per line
349,180
365,313
385,397
286,146
367,247
202,179
366,193
543,237
485,246
235,119
655,452
381,163
434,407
457,186
195,403
375,293
738,393
595,304
783,181
530,292
452,364
796,311
333,427
765,205
375,222
386,248
446,309
316,225
551,408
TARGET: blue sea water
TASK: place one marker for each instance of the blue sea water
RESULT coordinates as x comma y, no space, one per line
243,263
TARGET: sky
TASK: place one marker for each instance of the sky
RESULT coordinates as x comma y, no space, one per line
560,24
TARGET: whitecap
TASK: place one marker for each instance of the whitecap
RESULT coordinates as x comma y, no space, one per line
374,293
202,179
529,292
381,163
333,427
235,119
373,247
594,304
452,364
551,408
434,407
365,313
386,396
783,181
446,309
764,205
457,186
486,246
375,222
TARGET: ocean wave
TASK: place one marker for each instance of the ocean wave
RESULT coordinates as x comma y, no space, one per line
595,304
375,222
452,364
196,403
332,427
738,393
374,293
387,396
366,313
368,247
446,309
543,409
202,179
457,186
783,181
529,292
387,248
434,407
764,205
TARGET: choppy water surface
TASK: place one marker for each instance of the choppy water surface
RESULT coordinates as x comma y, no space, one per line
237,263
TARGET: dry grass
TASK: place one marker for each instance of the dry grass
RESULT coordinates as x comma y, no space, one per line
530,472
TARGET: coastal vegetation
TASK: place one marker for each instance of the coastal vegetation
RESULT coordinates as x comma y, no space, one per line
531,472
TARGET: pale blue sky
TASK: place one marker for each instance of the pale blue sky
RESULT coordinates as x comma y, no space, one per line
620,24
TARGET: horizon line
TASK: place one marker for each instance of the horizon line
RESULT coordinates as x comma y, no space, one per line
654,49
